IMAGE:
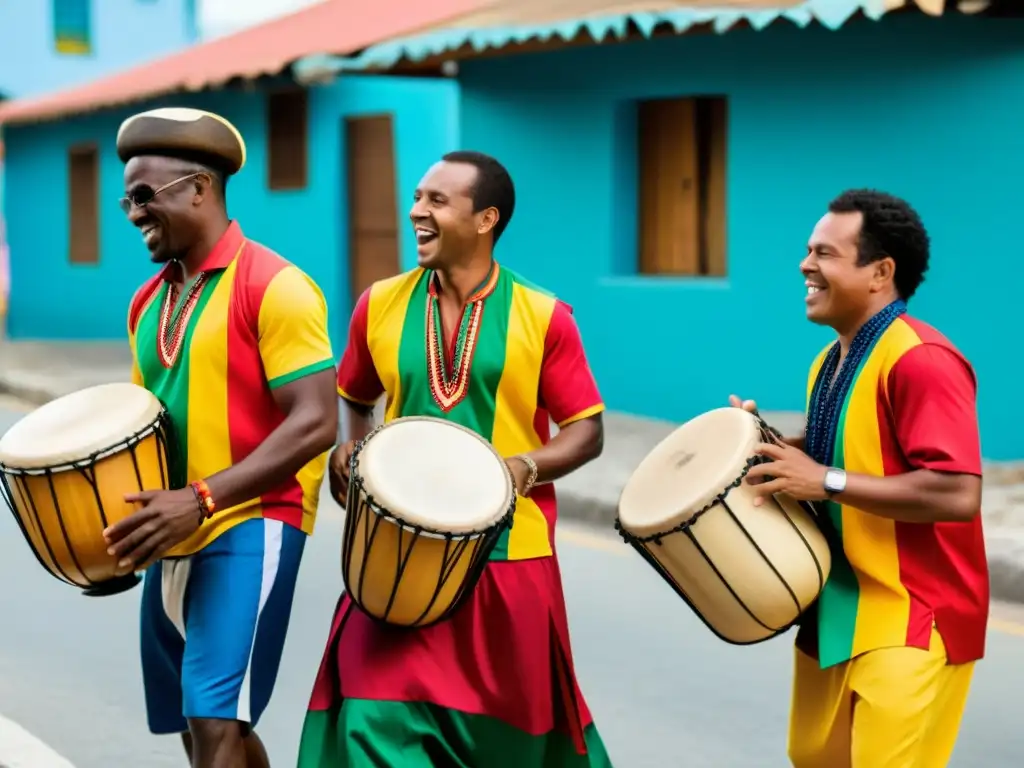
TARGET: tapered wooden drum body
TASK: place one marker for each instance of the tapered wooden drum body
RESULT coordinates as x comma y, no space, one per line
428,501
65,469
747,571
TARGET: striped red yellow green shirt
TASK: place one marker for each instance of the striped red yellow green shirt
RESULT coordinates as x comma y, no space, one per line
257,324
527,367
911,406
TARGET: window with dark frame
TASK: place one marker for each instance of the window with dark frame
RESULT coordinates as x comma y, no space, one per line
681,145
287,139
83,205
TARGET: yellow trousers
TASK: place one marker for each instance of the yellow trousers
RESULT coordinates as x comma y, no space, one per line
890,708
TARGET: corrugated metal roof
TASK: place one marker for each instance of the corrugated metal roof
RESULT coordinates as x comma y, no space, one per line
331,27
504,24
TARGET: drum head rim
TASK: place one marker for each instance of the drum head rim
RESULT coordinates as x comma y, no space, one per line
690,502
413,521
90,450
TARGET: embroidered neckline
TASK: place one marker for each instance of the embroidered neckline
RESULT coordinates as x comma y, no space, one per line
449,387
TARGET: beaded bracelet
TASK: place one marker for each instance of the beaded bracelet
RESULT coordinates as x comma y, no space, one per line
207,506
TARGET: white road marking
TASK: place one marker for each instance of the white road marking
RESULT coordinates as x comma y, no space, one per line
20,749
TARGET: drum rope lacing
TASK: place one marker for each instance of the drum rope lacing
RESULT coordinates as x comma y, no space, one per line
641,545
768,434
460,541
360,444
160,428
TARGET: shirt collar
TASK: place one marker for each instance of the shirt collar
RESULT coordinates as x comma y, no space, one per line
220,257
485,289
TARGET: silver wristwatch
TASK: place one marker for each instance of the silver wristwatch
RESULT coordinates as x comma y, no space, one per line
835,481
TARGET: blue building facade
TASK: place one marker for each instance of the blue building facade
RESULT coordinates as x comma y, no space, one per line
681,303
917,106
75,266
50,44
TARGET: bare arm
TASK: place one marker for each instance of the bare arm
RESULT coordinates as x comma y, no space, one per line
356,420
356,423
932,391
934,421
308,430
922,496
575,444
568,391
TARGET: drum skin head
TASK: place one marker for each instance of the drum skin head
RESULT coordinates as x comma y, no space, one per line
687,470
436,474
75,426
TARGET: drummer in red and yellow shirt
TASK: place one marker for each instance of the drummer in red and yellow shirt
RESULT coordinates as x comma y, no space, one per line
892,454
232,339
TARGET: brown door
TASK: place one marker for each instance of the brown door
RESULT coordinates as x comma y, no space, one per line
682,156
372,203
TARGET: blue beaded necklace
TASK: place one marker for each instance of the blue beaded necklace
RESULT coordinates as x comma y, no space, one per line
827,400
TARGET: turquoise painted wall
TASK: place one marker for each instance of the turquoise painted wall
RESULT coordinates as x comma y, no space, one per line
929,110
53,300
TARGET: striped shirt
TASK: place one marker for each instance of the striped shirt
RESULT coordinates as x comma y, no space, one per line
912,406
255,324
523,366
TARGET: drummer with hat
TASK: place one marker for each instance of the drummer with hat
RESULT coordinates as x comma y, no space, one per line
232,338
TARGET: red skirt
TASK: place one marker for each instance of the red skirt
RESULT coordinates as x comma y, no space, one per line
505,654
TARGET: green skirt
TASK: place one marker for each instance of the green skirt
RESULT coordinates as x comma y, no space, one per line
383,734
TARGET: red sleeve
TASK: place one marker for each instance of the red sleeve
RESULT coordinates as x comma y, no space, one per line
567,387
933,394
357,375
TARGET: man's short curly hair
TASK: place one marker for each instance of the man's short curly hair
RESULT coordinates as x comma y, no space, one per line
891,227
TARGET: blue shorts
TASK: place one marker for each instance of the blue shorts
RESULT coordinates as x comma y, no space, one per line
214,625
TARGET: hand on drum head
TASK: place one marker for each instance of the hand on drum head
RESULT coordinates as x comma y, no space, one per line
338,470
166,519
788,470
747,405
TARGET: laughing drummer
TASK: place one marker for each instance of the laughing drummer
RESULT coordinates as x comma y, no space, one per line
233,340
884,661
494,684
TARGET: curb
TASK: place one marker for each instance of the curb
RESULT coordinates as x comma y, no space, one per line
1005,547
20,749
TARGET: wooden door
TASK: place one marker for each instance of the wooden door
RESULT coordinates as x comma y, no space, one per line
372,202
669,187
83,205
682,164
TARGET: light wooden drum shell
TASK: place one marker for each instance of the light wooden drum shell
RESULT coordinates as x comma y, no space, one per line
65,469
428,501
747,571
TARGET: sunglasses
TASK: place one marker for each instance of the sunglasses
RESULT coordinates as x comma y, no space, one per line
144,194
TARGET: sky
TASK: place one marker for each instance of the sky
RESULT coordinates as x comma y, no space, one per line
219,17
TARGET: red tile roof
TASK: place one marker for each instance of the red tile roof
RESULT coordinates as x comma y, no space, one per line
330,27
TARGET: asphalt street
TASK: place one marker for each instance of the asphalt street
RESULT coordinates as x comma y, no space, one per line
664,691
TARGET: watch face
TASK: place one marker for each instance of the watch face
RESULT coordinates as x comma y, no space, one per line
834,481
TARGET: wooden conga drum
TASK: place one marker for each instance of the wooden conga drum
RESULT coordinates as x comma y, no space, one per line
428,501
65,469
747,571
